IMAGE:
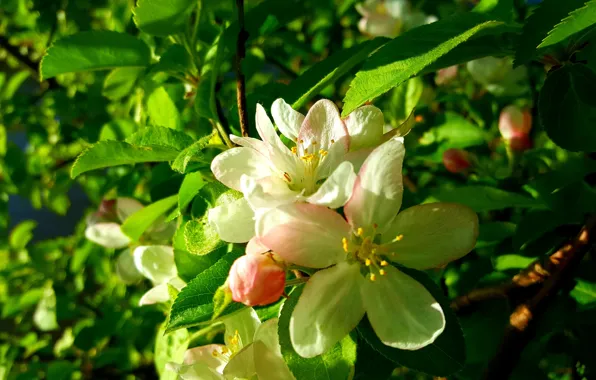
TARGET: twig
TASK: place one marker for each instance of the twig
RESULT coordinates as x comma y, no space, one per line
240,83
522,321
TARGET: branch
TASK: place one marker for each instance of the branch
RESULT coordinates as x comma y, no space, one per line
240,84
523,320
25,61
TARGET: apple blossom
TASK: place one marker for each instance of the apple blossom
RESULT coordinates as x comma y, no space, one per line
456,160
498,76
156,263
314,169
389,18
515,125
355,256
256,280
251,350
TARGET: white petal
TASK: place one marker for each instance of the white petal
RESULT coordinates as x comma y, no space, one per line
267,192
156,262
125,207
126,269
379,25
304,234
242,365
357,158
108,235
365,127
267,333
432,234
234,221
401,311
270,365
250,142
157,294
197,371
242,324
378,190
209,355
328,309
287,119
230,165
255,247
322,127
337,189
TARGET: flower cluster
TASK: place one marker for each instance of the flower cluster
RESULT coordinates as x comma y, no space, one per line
328,200
389,18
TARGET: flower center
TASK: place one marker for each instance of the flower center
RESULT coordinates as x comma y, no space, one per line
227,352
311,157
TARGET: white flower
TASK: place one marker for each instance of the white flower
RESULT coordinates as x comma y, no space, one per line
498,76
317,168
156,263
354,255
389,18
251,351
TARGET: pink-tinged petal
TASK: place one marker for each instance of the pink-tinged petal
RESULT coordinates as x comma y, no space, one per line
337,189
378,191
204,354
304,234
255,247
365,127
281,157
431,235
228,167
250,142
157,294
125,207
267,192
287,119
322,128
357,158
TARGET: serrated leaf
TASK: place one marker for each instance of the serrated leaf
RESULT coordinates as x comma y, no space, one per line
151,136
577,21
163,17
190,187
194,304
193,152
94,50
548,14
162,109
113,153
446,355
484,198
567,107
337,363
408,54
201,238
121,81
137,223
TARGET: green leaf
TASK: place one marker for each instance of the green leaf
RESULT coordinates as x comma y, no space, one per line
121,81
22,234
137,223
167,137
584,292
194,304
201,238
174,59
484,198
405,97
117,129
113,153
190,187
322,74
500,9
162,109
222,299
408,54
446,355
534,224
94,50
169,348
44,316
163,17
508,262
494,232
193,152
3,140
13,84
190,265
567,107
205,98
577,21
337,363
548,14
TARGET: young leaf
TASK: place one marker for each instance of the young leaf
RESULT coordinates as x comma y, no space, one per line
194,304
94,50
201,238
151,136
408,54
137,223
162,109
113,153
567,108
484,198
163,17
190,187
337,363
193,152
548,14
443,357
577,21
121,81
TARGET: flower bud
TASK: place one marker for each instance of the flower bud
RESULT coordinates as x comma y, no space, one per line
456,160
446,75
515,125
256,280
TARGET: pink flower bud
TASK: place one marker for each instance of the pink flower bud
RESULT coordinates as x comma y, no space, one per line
514,122
456,160
446,75
256,280
520,143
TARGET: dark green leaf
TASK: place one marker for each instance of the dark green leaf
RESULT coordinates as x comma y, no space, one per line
577,21
163,17
484,198
175,59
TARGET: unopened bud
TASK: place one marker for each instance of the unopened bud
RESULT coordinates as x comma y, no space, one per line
256,280
515,125
456,160
446,75
107,209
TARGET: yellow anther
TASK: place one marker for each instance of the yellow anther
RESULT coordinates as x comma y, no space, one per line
367,262
373,277
399,237
344,243
375,226
332,141
373,251
308,157
301,141
384,263
323,152
359,231
224,350
382,272
313,143
294,150
287,177
214,353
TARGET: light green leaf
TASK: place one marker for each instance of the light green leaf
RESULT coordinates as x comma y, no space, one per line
548,14
405,97
500,9
151,136
194,304
201,238
113,153
117,129
577,21
408,54
205,98
3,140
162,109
121,81
163,17
137,223
193,152
169,348
94,50
22,234
508,262
567,107
44,316
584,292
337,363
190,187
484,198
13,84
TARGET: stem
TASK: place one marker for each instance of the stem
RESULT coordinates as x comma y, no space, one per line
222,133
297,281
240,82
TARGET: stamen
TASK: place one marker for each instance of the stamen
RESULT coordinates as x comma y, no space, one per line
384,263
344,243
323,152
308,157
399,237
373,277
313,143
359,231
332,141
375,226
301,141
287,177
382,272
294,150
214,353
367,262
